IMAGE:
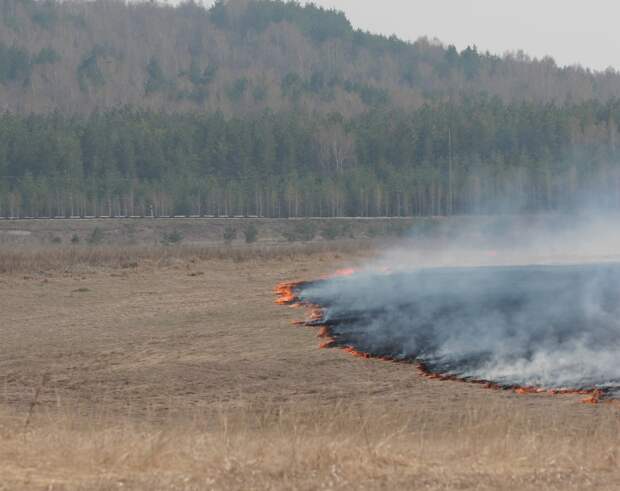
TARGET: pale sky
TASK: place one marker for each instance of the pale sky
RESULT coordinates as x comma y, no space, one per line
571,31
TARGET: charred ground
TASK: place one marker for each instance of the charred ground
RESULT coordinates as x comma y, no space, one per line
526,328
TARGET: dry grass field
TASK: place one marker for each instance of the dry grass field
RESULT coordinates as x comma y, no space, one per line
172,368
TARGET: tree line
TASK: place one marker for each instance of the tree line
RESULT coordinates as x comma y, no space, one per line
472,156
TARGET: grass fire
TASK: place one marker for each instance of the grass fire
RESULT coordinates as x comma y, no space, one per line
530,329
445,191
170,367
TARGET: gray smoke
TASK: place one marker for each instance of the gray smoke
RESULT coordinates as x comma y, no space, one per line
530,307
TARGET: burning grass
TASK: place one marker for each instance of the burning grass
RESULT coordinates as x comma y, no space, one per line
456,324
162,379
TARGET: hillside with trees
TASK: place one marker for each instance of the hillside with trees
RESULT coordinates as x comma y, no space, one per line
274,109
244,56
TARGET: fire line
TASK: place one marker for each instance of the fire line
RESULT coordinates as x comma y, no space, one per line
294,294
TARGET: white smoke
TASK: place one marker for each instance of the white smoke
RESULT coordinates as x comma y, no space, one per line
530,306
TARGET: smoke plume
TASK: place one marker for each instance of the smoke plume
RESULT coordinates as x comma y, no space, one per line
536,306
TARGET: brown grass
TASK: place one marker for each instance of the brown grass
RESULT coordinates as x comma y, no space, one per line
179,372
52,258
343,446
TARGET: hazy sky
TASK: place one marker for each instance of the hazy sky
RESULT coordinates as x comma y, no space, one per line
572,31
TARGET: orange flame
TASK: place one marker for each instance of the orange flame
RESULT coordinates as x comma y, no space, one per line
354,352
528,390
286,296
324,332
316,314
339,273
593,398
330,343
286,292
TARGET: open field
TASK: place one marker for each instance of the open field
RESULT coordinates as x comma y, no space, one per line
172,368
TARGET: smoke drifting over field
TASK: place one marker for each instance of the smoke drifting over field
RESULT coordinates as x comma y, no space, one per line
551,326
527,308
